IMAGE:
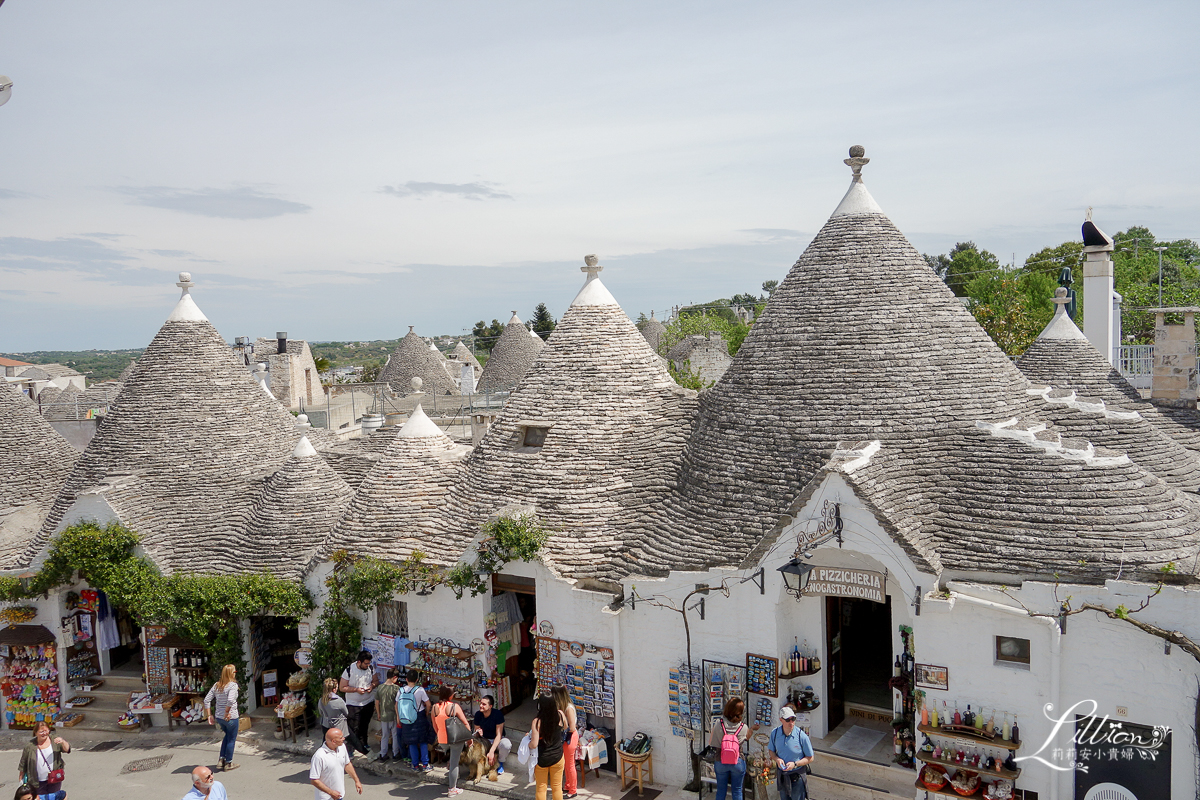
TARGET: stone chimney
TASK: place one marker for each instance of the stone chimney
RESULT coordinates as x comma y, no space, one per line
281,340
1174,373
1098,288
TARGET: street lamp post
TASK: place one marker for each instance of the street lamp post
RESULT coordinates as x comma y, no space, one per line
1160,252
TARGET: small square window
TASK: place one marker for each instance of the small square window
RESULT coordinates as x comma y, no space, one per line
534,436
1011,650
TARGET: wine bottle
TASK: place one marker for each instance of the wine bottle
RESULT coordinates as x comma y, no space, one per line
896,668
957,716
1016,732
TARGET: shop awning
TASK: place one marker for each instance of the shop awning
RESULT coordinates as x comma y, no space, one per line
26,634
171,640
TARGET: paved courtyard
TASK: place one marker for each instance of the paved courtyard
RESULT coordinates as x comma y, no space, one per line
112,766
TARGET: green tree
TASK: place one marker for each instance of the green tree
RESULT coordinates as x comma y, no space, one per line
323,364
642,321
542,323
961,264
769,287
685,325
370,372
486,335
1012,306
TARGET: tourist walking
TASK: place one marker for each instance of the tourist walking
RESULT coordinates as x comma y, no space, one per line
729,737
385,712
42,763
412,709
205,787
358,684
489,724
546,734
444,711
570,740
328,768
225,693
793,752
333,716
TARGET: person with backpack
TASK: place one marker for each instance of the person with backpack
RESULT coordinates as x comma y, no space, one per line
412,709
793,752
450,735
729,736
358,684
385,712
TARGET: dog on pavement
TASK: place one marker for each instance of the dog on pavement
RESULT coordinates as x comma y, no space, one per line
474,755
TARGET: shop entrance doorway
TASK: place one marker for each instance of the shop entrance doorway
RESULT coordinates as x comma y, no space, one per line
859,644
273,645
515,597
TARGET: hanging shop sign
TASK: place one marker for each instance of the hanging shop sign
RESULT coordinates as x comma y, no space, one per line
863,584
303,657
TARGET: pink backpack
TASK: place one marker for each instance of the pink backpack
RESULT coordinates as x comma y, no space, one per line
731,748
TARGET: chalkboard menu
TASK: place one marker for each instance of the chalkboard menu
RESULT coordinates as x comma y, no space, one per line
762,675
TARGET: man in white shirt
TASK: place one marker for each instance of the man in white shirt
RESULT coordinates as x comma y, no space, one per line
328,768
358,684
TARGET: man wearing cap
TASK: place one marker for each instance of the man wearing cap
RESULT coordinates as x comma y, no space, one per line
793,752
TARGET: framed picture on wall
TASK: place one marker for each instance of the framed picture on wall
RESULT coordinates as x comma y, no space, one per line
928,676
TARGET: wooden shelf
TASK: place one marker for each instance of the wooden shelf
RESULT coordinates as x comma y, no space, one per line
793,675
948,792
190,669
964,735
1012,775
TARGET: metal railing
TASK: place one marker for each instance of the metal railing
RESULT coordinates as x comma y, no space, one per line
1134,359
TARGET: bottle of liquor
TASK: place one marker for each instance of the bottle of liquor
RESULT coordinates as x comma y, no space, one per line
945,718
979,719
957,716
1016,732
1007,732
933,717
896,668
925,714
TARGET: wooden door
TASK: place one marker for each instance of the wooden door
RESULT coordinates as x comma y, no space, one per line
834,688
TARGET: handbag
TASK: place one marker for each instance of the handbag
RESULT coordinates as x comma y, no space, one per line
456,731
52,775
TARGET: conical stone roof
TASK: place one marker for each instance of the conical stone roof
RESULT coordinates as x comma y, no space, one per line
293,516
862,342
69,404
654,331
400,507
464,356
615,425
182,455
413,359
511,357
128,371
34,463
48,396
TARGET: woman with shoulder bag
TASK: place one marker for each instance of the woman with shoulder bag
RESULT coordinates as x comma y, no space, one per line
225,693
546,735
562,699
42,763
729,737
453,732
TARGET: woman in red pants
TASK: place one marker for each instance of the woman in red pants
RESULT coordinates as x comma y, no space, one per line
570,741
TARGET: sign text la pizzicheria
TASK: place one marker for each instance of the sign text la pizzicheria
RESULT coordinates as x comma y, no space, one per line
864,584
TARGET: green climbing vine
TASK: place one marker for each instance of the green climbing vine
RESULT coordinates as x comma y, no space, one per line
203,608
363,582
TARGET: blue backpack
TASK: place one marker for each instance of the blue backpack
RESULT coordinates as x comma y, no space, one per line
406,705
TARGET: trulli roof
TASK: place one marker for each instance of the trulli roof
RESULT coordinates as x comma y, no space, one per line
1104,408
862,342
48,396
128,371
464,356
34,374
34,462
69,404
654,331
53,371
413,359
182,455
617,423
511,357
400,506
293,516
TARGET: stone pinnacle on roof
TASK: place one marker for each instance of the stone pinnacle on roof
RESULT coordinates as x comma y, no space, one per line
857,200
594,292
186,309
654,331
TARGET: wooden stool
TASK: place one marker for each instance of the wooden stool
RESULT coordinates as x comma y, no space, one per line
635,768
289,724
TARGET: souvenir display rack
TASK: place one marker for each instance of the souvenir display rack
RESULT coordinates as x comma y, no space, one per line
685,700
182,676
722,682
79,626
444,663
587,670
762,675
28,675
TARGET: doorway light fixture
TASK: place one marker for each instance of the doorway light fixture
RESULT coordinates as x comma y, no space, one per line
795,577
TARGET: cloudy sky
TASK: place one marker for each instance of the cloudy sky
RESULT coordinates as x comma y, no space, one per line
344,170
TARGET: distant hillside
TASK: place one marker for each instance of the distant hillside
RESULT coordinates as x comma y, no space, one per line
97,365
